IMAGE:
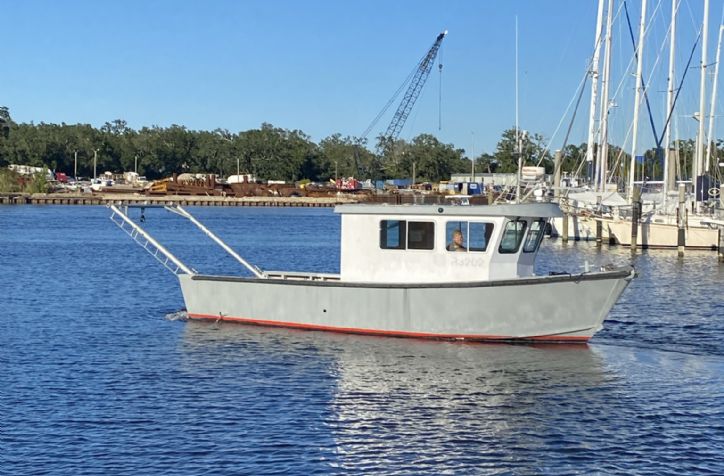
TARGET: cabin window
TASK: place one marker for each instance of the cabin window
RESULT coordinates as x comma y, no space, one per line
535,235
475,235
392,234
400,235
512,236
420,235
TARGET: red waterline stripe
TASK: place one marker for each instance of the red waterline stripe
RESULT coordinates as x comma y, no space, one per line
376,332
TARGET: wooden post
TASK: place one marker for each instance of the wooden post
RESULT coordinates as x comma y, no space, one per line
721,245
599,224
635,217
558,160
681,221
564,232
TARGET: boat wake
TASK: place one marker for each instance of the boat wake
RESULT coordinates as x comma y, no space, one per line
177,316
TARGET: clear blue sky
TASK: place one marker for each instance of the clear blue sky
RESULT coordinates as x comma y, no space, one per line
318,66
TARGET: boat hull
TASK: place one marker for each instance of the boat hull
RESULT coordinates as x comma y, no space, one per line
561,308
580,228
663,235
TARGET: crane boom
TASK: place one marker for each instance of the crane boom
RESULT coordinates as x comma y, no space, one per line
413,91
421,72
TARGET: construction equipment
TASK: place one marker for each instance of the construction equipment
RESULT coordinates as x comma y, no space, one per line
416,81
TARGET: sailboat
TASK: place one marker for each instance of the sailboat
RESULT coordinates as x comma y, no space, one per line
677,228
660,225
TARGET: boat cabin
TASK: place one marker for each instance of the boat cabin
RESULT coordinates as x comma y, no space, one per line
440,243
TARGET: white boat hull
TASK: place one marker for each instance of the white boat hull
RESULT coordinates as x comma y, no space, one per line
561,308
663,235
580,228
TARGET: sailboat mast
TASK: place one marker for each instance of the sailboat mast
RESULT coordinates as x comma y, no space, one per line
637,100
517,125
605,84
709,137
594,88
670,98
702,103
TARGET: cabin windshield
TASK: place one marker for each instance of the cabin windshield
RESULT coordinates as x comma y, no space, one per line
535,235
512,236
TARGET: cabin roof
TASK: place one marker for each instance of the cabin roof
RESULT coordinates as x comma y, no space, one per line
542,210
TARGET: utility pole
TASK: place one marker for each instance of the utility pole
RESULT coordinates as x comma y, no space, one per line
75,166
95,163
472,157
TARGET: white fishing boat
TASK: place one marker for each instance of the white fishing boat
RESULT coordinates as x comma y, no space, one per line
399,277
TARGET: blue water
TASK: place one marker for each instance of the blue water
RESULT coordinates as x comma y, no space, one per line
100,377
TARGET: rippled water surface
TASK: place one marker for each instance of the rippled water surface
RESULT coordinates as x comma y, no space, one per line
99,376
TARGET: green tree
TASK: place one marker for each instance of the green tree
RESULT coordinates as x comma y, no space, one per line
532,149
434,161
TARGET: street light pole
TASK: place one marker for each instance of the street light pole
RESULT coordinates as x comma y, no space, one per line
95,163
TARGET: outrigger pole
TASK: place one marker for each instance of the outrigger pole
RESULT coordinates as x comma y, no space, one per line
134,233
156,248
180,211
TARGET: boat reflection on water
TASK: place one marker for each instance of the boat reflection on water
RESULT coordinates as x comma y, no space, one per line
383,399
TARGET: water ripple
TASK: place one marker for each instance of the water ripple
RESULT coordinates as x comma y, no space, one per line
102,374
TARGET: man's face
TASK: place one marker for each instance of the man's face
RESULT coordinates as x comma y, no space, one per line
458,238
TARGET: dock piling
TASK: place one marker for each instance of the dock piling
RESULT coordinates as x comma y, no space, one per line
599,224
681,221
635,218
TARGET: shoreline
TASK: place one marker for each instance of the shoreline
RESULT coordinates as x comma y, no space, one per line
186,200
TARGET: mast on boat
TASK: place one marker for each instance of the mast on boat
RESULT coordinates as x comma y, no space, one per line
699,163
709,137
602,163
594,93
517,130
669,99
637,99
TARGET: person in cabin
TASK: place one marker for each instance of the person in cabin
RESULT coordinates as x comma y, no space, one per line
457,242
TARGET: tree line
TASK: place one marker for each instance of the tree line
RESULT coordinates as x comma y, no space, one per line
272,153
